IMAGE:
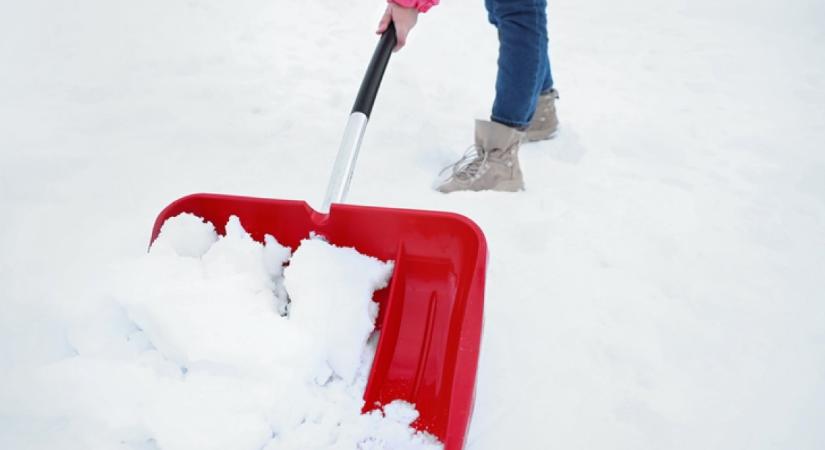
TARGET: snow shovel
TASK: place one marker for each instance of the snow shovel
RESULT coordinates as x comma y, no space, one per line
430,316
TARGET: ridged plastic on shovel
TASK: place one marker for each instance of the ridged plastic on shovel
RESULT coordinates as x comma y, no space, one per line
430,317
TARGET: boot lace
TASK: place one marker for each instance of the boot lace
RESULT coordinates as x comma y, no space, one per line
470,165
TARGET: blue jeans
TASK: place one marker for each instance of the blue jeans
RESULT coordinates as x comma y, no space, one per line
523,59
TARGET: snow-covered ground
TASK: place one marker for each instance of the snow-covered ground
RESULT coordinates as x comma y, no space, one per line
659,284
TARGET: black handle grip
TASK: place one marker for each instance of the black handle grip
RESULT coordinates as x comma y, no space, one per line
375,72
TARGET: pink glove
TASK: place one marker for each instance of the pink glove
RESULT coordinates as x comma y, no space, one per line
421,5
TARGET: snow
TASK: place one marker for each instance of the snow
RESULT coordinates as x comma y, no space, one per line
192,352
336,307
219,308
658,285
190,235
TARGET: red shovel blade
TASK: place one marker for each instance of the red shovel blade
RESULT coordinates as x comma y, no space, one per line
431,314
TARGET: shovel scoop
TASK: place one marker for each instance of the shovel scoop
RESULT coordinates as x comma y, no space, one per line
430,316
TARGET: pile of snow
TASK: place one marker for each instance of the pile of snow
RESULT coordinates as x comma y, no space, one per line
208,343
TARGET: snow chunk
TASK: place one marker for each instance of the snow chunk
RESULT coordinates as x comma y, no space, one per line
186,235
220,310
331,291
198,347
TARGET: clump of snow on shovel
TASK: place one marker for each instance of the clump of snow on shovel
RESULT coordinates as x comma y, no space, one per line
186,235
217,307
211,345
331,290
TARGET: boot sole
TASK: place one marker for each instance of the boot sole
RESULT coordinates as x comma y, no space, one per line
509,186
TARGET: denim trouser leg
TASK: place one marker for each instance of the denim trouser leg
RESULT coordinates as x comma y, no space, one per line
523,61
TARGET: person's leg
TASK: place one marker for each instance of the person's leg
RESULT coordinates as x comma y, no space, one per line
544,122
547,83
523,68
491,15
523,63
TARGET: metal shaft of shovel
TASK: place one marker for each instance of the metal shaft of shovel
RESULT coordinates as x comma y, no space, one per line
342,171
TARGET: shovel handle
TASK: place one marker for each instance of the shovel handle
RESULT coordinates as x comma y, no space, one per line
375,72
341,177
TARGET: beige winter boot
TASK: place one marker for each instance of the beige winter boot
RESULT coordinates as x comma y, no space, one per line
490,164
545,123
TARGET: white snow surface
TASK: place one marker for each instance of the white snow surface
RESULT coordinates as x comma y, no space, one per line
658,285
192,353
